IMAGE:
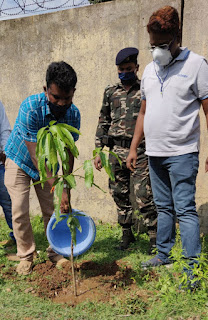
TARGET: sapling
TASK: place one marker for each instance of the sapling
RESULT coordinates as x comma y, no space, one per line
56,140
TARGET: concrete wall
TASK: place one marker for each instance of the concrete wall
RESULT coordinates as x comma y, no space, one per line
88,38
195,37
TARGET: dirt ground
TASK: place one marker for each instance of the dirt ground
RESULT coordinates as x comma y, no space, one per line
95,282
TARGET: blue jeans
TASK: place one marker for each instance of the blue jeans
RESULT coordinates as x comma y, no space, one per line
5,201
173,181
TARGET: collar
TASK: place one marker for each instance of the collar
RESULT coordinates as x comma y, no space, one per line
183,55
136,83
47,109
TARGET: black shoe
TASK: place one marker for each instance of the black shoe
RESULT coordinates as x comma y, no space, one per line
154,262
192,283
127,238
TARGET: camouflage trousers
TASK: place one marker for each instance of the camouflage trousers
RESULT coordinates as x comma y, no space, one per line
132,192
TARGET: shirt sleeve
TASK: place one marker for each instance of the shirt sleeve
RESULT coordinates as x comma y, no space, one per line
28,120
5,128
104,121
201,88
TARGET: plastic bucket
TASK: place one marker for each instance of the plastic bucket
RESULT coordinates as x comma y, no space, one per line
60,237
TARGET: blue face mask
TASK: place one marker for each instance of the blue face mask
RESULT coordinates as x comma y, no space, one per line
127,76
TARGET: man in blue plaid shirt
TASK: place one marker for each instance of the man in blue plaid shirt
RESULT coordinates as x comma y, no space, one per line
35,112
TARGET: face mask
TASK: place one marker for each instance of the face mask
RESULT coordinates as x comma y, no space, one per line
127,76
162,56
58,111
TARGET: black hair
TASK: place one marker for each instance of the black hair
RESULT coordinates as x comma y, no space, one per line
61,74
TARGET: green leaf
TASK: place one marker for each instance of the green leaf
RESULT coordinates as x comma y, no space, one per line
73,224
103,158
40,133
57,198
60,147
42,168
116,156
76,223
106,165
108,170
69,128
71,181
89,176
96,151
56,181
65,164
69,140
53,157
41,144
59,133
52,122
48,150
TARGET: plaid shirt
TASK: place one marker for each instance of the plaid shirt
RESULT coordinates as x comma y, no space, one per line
34,113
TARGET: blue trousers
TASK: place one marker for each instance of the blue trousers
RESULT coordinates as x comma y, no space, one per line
5,201
173,181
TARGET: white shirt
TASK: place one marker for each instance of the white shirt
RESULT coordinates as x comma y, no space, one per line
173,94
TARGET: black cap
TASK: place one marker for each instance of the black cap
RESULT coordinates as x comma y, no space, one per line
127,55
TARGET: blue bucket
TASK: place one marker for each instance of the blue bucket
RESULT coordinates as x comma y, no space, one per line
59,238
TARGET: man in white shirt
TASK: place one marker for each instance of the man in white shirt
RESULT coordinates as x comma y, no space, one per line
173,87
5,200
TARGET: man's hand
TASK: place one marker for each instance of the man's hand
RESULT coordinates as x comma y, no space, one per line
206,165
131,160
97,163
2,157
65,202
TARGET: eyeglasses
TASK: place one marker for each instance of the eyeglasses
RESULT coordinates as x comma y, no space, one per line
165,46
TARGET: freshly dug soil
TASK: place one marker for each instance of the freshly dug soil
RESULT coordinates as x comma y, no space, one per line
95,282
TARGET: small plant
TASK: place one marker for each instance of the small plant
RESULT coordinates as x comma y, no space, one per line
56,140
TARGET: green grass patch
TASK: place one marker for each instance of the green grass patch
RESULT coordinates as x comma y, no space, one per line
156,296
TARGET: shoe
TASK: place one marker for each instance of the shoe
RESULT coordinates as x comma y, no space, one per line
14,257
61,262
127,238
8,243
58,260
24,268
192,284
154,262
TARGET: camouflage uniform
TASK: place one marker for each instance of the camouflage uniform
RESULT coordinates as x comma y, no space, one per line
117,119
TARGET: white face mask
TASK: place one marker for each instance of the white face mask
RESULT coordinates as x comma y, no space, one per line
162,56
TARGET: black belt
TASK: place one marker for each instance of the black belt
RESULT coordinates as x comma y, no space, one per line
124,143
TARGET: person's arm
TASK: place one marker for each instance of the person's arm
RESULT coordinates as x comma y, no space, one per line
5,131
205,108
103,127
137,138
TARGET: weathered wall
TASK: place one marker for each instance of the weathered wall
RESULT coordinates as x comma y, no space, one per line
89,38
195,37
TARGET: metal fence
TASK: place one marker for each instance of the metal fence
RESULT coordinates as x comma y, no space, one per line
17,8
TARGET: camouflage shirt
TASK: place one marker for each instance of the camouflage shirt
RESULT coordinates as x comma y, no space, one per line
119,112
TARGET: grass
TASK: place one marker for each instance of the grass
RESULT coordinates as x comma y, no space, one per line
160,286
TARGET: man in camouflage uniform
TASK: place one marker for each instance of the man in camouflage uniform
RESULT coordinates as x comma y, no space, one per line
120,108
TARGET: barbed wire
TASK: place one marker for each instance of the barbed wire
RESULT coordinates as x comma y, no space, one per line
21,7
